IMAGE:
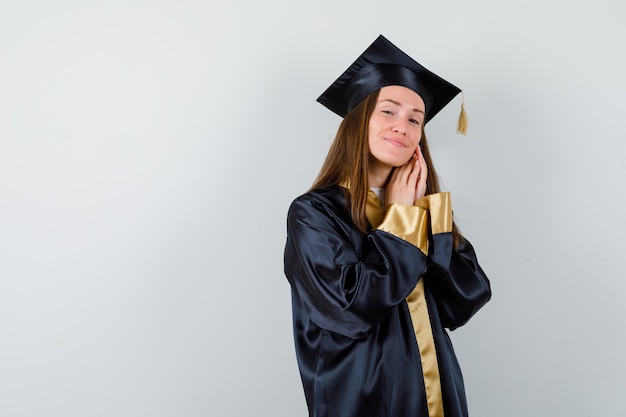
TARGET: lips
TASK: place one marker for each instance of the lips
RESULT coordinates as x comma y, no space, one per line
396,142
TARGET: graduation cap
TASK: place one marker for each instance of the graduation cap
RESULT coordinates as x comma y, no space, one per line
383,64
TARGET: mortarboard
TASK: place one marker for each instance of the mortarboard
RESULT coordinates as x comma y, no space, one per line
383,64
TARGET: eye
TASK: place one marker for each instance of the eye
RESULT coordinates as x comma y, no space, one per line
387,112
414,121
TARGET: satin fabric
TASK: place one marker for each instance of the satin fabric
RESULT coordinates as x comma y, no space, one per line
354,338
412,224
375,76
380,65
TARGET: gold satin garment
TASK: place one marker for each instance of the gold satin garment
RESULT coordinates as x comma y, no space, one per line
411,224
426,344
439,207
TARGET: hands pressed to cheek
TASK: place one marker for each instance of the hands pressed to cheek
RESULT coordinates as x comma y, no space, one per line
408,182
420,190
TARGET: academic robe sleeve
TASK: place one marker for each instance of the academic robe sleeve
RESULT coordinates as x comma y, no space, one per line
457,280
346,281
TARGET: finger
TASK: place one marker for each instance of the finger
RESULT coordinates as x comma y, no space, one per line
421,184
404,171
423,165
413,169
416,165
412,175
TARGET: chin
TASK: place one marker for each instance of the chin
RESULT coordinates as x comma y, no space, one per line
399,163
393,160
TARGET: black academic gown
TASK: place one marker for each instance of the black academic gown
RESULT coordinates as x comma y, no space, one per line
355,338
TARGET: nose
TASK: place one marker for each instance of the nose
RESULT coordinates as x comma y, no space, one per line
399,129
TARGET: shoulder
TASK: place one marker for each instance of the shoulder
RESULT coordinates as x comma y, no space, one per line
328,201
333,196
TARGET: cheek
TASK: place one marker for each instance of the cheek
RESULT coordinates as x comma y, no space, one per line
419,135
372,128
379,121
416,139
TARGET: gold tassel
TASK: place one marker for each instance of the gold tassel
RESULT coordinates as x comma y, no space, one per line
462,126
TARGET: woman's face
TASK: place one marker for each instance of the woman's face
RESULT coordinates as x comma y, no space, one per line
395,127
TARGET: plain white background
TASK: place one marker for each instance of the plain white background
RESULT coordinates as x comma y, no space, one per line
149,151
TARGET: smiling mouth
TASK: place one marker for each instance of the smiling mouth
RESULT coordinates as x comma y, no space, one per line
396,142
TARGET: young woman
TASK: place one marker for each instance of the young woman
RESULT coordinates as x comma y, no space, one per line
375,262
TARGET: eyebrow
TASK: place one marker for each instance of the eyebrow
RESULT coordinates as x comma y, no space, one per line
400,104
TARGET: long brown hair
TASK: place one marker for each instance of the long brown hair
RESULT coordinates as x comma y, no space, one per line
347,162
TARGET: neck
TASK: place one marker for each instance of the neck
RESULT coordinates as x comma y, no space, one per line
377,173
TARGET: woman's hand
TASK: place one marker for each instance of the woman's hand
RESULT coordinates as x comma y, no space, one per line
421,181
408,182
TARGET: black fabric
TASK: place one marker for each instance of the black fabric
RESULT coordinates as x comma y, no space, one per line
380,65
354,339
